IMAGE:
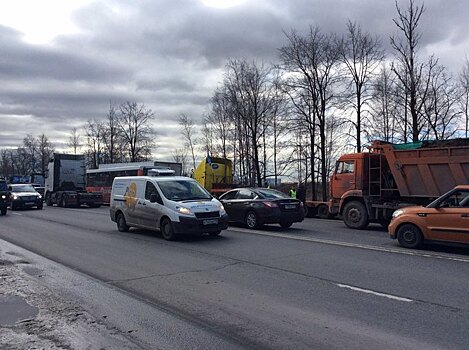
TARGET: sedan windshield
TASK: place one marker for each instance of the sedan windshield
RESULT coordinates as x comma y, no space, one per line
183,190
23,188
272,194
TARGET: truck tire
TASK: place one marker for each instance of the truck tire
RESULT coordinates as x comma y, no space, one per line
323,211
63,201
167,230
409,236
49,200
355,215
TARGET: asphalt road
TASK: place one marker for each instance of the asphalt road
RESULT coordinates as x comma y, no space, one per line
317,285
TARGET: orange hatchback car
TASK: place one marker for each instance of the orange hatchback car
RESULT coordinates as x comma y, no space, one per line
446,219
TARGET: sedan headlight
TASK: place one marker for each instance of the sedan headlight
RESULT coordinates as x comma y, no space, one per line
15,196
184,210
222,209
397,213
4,197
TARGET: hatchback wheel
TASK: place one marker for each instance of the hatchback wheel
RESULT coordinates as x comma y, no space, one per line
409,236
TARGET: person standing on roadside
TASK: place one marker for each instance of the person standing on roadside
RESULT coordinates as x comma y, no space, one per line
292,192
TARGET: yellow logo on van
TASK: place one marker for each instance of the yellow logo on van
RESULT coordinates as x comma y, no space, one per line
130,195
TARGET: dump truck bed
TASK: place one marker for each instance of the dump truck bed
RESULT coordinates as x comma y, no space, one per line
428,169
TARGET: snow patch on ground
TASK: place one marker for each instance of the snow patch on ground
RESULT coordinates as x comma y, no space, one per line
60,323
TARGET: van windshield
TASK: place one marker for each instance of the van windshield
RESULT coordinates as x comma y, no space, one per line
183,190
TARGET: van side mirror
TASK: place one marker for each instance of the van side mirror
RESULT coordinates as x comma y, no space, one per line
154,198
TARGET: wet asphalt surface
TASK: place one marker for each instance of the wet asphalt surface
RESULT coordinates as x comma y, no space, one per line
316,285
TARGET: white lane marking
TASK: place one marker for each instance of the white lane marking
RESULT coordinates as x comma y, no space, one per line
17,214
86,211
368,291
351,245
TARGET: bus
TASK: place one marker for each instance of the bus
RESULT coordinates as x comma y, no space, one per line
100,180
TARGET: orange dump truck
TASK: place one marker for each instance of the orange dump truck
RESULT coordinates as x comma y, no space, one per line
367,187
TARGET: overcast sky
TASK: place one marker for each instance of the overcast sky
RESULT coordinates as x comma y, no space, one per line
62,62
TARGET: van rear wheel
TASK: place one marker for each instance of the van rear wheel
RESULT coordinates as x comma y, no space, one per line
121,223
167,231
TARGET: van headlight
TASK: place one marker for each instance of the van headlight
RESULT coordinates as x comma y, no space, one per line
222,209
397,213
184,210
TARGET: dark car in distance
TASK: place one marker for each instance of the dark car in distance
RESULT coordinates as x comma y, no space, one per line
24,196
257,206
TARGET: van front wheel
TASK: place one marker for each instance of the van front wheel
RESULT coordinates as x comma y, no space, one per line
121,223
167,230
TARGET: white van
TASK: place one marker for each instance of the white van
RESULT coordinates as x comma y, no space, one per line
173,204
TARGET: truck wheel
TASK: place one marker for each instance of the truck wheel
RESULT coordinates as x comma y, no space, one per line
355,215
121,223
251,220
409,236
323,211
49,201
311,212
167,231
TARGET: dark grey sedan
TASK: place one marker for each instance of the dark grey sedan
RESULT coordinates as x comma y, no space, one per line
257,206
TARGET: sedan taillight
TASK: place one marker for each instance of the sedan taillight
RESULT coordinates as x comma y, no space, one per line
271,204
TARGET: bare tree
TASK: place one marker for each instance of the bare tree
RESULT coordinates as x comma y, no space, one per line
188,133
137,134
29,154
440,109
464,101
250,90
112,137
385,111
45,151
361,53
93,132
414,76
74,141
180,156
220,117
313,60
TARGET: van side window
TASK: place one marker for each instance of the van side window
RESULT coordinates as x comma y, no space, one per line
149,189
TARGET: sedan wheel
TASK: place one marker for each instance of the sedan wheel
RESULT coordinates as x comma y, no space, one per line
251,220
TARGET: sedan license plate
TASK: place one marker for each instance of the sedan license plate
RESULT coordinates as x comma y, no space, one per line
210,222
290,206
29,203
